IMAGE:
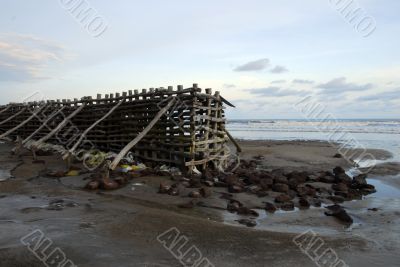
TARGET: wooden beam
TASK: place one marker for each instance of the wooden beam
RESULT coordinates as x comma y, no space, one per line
42,126
142,134
60,126
22,123
13,116
83,135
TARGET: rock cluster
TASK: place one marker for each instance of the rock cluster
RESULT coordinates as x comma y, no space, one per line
300,189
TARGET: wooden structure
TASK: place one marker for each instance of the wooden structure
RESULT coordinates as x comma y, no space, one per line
183,127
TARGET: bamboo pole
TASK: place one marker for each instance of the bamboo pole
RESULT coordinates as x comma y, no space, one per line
129,146
59,127
22,123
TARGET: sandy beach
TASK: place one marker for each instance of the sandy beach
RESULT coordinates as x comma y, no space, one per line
120,227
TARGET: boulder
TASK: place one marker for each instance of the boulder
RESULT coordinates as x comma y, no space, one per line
235,189
282,198
195,194
247,211
282,188
343,178
340,213
281,180
266,183
206,191
287,206
340,187
270,207
247,222
360,179
304,203
327,179
338,170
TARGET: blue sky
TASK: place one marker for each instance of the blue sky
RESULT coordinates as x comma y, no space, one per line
264,56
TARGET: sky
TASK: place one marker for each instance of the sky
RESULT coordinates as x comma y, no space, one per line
263,56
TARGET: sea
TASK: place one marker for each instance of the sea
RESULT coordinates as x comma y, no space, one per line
356,133
360,133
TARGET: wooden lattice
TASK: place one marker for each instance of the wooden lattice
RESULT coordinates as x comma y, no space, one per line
183,127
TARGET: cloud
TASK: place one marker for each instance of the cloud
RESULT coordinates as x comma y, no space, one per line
24,57
301,81
384,96
278,81
228,85
275,91
279,69
340,85
254,65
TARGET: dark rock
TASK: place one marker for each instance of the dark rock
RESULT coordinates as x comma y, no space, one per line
338,156
368,189
247,222
195,194
304,203
293,183
233,206
206,191
93,185
262,193
300,177
282,188
338,170
235,189
188,205
327,179
373,209
226,196
254,189
121,180
259,157
292,194
173,191
343,178
340,187
281,180
287,206
209,183
282,198
207,175
109,184
247,211
360,179
266,183
316,202
163,188
270,207
339,212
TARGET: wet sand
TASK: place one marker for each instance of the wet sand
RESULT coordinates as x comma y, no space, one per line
120,228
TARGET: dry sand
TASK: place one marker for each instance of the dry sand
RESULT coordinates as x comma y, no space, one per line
120,228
